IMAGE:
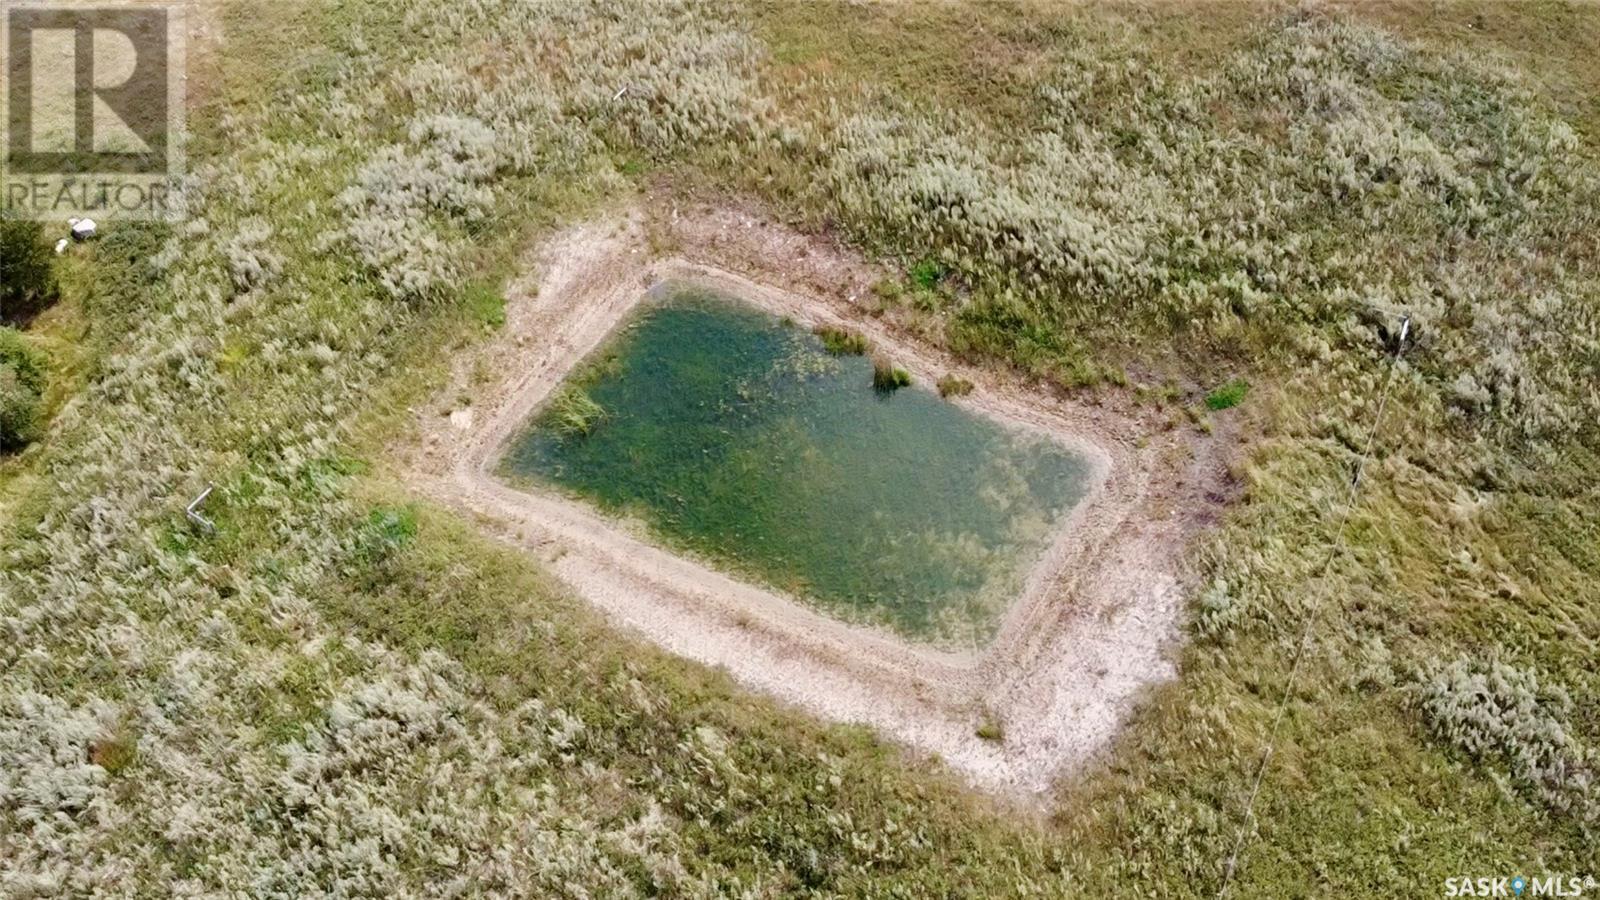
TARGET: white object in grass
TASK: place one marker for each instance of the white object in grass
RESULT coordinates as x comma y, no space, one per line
192,511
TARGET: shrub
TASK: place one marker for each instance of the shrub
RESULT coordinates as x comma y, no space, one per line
1501,713
113,754
405,193
888,290
27,279
1227,396
954,386
19,412
887,377
28,363
251,263
1219,611
841,341
21,388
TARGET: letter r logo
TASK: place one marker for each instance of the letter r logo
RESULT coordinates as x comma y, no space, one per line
86,89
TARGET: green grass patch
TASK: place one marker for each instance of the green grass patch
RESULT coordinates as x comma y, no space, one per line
487,304
927,274
388,531
114,754
1227,396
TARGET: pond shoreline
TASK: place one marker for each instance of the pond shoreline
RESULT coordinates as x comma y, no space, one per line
733,436
1093,629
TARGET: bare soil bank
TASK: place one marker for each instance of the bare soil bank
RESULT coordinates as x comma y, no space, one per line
1100,613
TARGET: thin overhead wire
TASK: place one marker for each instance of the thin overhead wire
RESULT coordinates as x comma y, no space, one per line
1308,627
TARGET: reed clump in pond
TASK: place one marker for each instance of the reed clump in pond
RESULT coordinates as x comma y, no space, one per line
575,413
888,377
841,341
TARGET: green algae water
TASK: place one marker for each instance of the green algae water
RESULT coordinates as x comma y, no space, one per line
737,437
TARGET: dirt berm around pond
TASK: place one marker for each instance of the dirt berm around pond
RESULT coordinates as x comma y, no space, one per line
1100,615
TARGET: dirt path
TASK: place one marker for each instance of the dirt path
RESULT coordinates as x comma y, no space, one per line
1099,613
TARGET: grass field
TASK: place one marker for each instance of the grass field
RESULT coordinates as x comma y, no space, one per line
345,690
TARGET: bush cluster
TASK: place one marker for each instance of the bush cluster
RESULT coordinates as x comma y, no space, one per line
1500,713
1228,395
444,171
22,383
27,274
1134,206
954,386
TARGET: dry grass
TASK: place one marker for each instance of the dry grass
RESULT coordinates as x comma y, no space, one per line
1256,194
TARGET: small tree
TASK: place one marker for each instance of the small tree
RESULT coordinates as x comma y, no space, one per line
27,279
21,389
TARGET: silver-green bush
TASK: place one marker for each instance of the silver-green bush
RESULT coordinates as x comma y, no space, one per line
1498,712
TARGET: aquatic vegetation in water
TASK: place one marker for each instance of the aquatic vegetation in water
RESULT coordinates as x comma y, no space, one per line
574,412
841,341
743,440
887,377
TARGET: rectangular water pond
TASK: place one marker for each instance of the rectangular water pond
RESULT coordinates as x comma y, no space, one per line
739,438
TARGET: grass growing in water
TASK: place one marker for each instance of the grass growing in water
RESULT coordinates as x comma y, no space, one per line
841,341
888,377
574,412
